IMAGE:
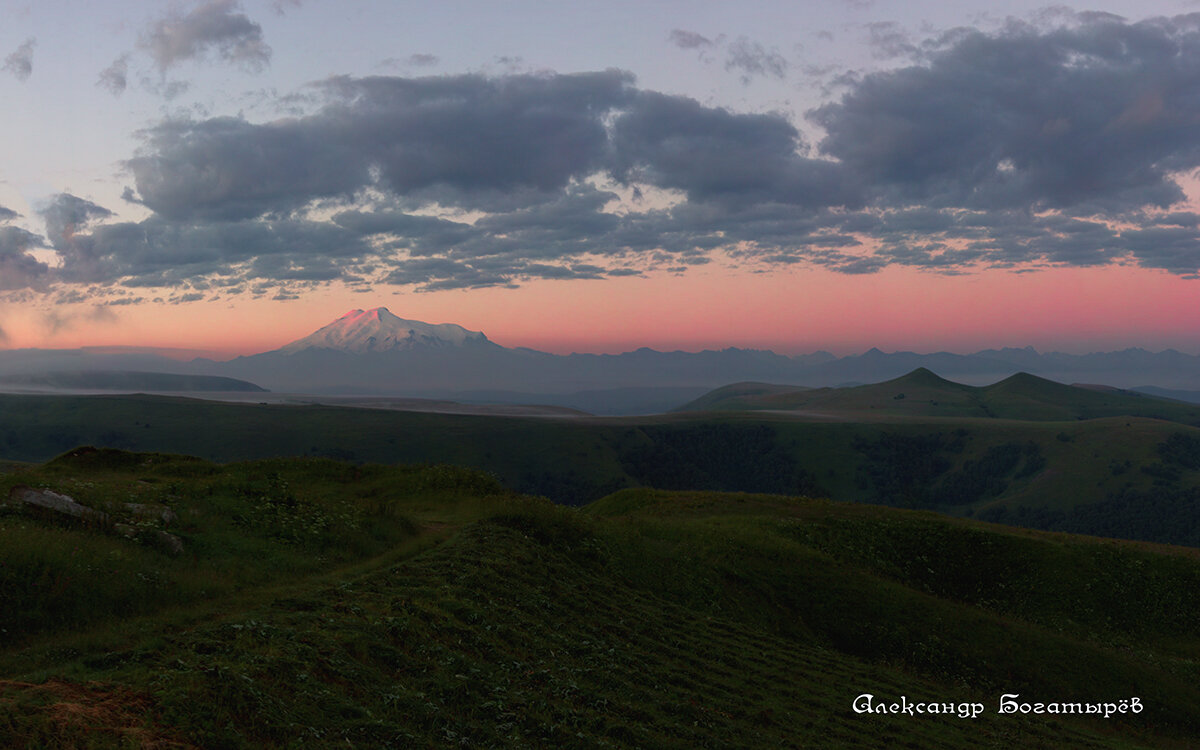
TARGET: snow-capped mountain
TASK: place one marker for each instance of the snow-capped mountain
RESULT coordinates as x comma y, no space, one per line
375,352
378,330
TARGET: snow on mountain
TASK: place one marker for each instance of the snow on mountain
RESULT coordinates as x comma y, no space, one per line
378,330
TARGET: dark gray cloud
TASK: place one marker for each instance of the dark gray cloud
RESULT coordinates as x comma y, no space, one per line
66,215
227,168
473,135
1095,117
20,61
713,154
1023,148
158,252
115,77
19,269
214,25
464,140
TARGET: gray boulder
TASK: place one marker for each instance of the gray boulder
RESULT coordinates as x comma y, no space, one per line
61,506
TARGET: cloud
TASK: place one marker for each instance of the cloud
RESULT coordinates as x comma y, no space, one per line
467,141
1023,148
888,40
1095,117
689,40
747,58
750,59
67,214
227,168
713,154
20,61
115,76
57,321
211,26
422,60
19,269
7,214
159,253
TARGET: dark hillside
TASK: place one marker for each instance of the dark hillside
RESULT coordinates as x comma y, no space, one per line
426,607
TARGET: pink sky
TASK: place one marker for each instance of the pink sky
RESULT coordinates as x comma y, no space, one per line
807,127
791,311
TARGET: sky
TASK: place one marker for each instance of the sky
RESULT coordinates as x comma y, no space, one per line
226,177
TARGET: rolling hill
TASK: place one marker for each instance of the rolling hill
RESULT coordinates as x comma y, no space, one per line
1024,451
427,606
923,394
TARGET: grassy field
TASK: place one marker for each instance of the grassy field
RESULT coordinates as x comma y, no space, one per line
325,604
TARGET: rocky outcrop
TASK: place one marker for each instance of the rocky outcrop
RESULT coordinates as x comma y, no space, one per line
61,506
132,524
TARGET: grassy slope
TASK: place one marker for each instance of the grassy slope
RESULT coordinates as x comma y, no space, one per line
461,615
923,394
1095,476
738,396
579,458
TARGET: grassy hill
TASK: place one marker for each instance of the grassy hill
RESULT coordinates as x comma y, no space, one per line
1130,477
739,396
923,394
322,604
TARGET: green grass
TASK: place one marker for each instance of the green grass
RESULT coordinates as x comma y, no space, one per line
246,524
1098,475
427,607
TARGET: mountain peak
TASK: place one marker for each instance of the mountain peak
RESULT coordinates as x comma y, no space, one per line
379,330
923,376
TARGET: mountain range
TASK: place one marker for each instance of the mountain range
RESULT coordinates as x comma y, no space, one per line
377,352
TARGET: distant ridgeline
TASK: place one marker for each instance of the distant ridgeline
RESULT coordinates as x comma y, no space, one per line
1024,451
119,380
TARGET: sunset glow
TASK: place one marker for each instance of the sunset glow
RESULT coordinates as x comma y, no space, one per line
669,179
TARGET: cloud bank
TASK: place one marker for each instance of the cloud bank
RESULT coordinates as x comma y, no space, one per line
1027,147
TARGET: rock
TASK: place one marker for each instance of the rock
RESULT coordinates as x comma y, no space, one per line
165,542
146,512
61,505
